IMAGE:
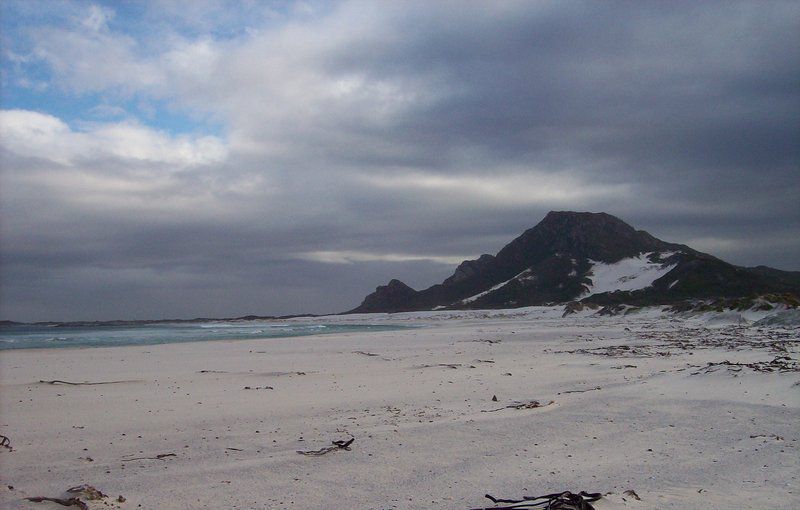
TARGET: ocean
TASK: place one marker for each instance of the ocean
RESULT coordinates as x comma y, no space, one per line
37,336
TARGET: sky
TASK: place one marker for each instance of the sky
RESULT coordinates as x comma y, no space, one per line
176,159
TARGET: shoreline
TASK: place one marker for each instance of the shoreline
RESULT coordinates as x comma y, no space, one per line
365,328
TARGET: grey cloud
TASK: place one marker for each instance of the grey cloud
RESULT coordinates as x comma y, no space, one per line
687,111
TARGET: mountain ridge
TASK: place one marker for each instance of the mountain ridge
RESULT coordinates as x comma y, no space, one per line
572,256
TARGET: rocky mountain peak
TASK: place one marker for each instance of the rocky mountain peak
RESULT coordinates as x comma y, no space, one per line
470,268
594,257
598,236
391,297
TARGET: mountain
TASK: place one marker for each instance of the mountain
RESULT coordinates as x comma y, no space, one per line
590,257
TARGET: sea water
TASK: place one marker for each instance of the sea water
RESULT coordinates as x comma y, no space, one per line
38,336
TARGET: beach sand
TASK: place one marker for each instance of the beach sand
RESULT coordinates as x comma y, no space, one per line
419,403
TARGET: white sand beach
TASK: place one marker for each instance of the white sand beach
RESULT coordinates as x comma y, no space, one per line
216,425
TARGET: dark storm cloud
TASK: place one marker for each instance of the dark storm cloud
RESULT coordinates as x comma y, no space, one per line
700,83
388,133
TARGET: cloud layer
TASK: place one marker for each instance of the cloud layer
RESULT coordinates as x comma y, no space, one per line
211,160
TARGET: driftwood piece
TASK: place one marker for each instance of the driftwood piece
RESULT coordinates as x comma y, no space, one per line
767,436
580,391
63,502
160,456
85,383
445,365
5,442
337,445
365,353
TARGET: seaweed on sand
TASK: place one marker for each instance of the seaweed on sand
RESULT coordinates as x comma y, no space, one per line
557,501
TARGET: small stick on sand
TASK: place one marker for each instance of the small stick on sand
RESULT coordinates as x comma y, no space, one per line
580,391
767,436
63,502
337,445
160,456
5,442
533,404
444,365
57,381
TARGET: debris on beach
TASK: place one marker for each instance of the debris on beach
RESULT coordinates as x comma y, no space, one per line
632,494
61,501
686,340
617,351
580,391
767,436
557,501
259,388
85,383
483,340
778,364
78,496
371,355
160,456
531,404
337,445
5,442
445,365
89,492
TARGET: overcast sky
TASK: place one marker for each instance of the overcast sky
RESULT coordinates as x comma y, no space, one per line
205,158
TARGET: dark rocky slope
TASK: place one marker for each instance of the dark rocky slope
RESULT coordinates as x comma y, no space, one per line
556,262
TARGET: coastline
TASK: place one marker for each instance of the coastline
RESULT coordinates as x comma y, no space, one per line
144,335
419,403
